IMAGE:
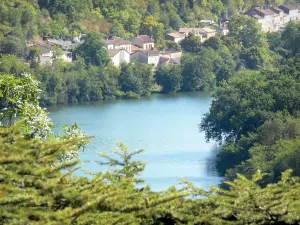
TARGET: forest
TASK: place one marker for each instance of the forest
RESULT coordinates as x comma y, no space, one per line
254,116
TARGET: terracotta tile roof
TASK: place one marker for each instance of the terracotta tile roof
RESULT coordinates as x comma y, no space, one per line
135,48
145,38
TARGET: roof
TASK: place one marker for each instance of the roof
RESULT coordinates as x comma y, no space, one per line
276,9
264,11
208,30
60,42
135,48
148,51
45,48
175,60
145,38
196,29
117,41
114,52
176,35
288,7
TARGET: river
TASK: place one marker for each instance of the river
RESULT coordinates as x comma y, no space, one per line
166,126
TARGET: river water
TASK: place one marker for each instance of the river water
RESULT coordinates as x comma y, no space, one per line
166,126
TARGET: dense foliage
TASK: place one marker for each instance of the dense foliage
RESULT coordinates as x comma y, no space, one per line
256,113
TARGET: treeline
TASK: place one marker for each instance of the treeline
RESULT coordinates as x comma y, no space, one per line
23,20
255,114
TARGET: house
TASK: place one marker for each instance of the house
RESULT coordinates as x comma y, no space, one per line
66,56
203,33
291,10
143,41
47,55
176,37
119,43
272,18
147,56
119,56
156,57
64,45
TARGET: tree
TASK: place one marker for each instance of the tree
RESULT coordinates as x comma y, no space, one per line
290,37
246,31
93,51
19,97
191,43
197,71
10,64
240,106
169,77
129,81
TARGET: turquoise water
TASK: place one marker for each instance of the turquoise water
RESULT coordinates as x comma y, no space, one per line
166,126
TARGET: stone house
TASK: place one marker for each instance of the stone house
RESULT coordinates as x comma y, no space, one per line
143,42
203,33
155,57
119,56
176,37
147,56
273,18
119,43
47,54
64,45
291,10
66,56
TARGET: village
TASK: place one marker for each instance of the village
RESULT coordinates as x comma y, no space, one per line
142,47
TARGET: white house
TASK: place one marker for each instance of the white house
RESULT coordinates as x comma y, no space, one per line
47,54
148,56
119,56
203,33
143,41
272,18
66,56
176,36
119,43
155,57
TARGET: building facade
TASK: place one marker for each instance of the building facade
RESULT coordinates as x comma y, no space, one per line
143,42
119,56
119,43
271,18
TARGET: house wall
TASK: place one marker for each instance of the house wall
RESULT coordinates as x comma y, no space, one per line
46,58
148,45
110,46
124,57
127,47
153,59
294,14
142,45
178,39
65,57
116,60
